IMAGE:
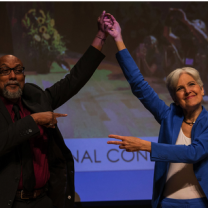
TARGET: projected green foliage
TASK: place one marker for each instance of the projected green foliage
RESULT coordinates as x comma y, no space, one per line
41,33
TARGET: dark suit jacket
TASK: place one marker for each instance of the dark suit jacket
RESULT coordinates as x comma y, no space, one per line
61,164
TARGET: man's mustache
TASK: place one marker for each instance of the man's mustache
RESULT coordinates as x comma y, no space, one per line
12,83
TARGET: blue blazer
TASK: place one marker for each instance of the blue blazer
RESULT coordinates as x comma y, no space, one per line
170,119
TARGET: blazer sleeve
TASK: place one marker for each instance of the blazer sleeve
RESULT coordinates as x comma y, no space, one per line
66,88
193,153
14,134
140,88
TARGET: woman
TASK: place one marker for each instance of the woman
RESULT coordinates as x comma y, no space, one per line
181,154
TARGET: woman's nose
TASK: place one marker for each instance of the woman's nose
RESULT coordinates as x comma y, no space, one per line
187,90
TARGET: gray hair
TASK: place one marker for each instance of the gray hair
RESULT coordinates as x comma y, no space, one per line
12,95
172,79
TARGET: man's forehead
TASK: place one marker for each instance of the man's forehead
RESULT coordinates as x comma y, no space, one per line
10,59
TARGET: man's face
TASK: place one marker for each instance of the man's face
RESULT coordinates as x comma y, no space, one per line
11,85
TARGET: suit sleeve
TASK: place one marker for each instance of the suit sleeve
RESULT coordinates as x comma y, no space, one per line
140,88
66,88
15,133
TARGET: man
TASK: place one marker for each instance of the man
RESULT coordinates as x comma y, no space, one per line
36,167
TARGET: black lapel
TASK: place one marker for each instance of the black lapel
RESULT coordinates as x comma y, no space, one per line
34,99
33,107
5,112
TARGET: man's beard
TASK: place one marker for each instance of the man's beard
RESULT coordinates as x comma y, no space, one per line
12,95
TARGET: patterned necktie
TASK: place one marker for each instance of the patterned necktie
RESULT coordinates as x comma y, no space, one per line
28,176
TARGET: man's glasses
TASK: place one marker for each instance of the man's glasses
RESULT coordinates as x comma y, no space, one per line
17,70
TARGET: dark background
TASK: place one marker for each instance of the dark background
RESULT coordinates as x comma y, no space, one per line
76,21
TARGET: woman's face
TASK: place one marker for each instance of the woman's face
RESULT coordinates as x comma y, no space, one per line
189,94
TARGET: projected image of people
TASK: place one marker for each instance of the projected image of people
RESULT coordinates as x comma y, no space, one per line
181,154
149,57
188,44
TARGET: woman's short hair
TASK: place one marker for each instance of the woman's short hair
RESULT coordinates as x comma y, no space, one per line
172,79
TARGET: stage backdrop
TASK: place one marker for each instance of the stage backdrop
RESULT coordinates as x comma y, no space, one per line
50,37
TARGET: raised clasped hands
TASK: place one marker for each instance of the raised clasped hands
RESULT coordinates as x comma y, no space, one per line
112,27
130,144
47,119
100,22
101,27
